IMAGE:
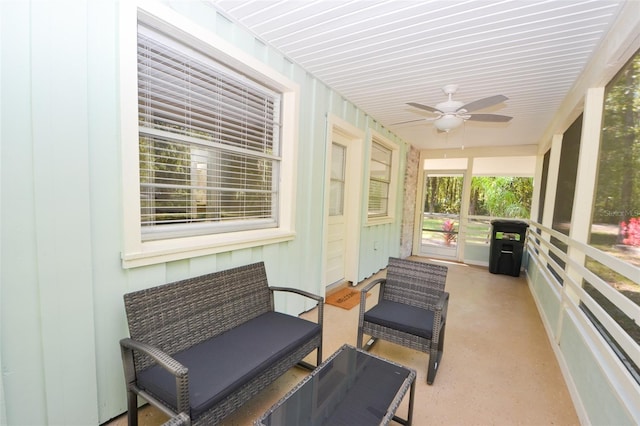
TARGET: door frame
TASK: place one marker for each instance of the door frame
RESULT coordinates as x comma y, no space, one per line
353,195
463,214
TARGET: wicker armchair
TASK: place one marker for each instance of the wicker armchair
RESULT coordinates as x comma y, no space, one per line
411,310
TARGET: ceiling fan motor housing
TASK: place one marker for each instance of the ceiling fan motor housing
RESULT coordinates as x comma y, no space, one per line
449,107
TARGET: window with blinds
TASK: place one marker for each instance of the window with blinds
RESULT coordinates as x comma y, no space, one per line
209,143
379,180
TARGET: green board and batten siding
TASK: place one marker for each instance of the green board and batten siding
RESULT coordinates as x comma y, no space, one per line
62,275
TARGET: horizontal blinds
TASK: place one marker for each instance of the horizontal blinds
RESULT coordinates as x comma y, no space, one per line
379,180
209,143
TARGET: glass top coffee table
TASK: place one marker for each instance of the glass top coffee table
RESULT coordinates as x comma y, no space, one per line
352,387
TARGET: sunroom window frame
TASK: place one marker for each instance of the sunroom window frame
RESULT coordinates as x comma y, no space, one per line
138,252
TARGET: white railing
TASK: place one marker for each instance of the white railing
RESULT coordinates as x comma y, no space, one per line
613,348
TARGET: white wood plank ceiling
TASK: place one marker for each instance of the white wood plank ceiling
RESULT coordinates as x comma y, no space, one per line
381,54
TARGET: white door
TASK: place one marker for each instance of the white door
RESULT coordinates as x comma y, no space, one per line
342,206
336,229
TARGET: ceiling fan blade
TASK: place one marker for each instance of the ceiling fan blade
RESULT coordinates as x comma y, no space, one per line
424,107
491,118
483,103
410,121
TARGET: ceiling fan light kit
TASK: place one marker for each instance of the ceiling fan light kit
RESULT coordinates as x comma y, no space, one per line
448,122
452,114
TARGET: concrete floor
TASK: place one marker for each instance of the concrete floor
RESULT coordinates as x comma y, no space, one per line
498,367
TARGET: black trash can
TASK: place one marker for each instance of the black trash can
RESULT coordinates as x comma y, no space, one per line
507,244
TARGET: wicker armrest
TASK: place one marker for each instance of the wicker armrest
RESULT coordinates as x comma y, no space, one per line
162,358
369,287
312,296
179,371
372,284
443,302
315,297
442,306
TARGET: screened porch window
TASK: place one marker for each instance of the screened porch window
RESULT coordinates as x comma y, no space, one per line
615,227
209,143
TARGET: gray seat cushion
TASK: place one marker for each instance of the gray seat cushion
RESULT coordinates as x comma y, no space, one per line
220,365
409,319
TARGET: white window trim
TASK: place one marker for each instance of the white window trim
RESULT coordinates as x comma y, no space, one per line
393,184
137,253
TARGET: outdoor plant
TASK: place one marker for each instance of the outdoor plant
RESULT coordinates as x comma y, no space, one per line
630,232
449,231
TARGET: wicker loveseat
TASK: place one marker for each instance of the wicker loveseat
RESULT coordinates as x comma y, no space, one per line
204,346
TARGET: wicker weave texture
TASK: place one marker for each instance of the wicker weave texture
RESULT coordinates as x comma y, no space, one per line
398,337
176,316
414,283
178,420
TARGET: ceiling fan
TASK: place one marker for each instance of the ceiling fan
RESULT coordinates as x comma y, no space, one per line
452,114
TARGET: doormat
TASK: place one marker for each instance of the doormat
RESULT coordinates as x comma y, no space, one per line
346,298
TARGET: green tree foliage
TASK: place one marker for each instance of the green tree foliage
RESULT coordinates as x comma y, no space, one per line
443,194
164,174
503,196
618,186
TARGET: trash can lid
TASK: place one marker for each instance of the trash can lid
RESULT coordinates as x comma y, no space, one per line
503,222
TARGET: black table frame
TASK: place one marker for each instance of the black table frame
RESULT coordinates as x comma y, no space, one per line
408,384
